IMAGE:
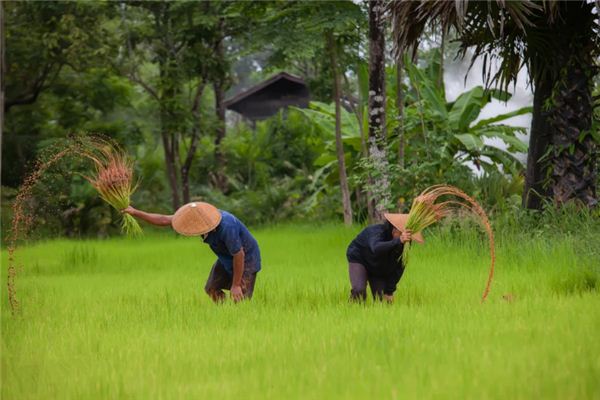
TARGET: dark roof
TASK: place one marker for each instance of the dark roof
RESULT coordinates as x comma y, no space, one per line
275,78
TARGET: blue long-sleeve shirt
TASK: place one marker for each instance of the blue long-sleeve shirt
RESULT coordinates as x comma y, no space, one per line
380,253
228,238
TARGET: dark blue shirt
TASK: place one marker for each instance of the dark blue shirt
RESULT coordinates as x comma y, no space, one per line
228,238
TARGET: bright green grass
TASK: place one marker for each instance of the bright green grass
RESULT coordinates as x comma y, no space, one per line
129,319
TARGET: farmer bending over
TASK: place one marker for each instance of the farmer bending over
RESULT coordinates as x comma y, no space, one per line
238,255
374,256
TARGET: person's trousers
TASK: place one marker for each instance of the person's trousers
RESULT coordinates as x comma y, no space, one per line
359,277
219,279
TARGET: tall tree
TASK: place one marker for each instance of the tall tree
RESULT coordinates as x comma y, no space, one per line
559,43
329,28
45,37
2,69
46,44
377,127
331,43
180,40
233,23
377,101
400,109
220,84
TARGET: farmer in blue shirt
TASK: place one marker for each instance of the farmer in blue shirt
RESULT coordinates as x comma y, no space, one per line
238,255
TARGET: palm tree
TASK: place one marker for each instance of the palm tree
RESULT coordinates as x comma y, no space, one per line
559,42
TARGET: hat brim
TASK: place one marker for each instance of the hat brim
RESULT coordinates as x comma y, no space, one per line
195,219
399,222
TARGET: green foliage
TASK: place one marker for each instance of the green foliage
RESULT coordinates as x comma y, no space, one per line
132,72
270,170
451,127
441,138
295,35
57,79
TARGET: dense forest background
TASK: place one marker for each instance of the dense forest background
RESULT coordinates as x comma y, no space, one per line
380,127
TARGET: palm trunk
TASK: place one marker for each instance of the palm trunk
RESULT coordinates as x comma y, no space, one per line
573,156
376,71
562,162
377,124
2,77
539,140
338,132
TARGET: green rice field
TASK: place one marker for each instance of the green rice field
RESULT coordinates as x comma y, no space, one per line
128,319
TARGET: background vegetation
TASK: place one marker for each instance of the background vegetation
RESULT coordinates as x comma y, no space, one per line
154,76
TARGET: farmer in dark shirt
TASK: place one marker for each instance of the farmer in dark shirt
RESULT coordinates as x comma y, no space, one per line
374,256
238,255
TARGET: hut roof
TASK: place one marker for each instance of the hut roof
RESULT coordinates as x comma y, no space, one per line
268,97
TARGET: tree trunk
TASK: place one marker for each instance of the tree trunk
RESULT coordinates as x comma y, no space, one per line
376,70
185,168
573,155
440,82
400,107
377,126
338,132
358,112
219,88
539,140
171,168
187,163
221,180
2,77
562,163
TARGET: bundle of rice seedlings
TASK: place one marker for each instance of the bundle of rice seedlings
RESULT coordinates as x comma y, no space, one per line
425,211
113,179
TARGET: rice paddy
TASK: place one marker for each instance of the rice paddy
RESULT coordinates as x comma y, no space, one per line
126,318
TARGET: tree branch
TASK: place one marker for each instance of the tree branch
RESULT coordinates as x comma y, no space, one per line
30,96
143,84
197,97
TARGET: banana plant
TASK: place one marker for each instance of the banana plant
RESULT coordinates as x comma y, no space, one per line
455,124
323,116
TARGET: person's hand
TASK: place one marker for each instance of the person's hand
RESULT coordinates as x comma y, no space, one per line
406,236
236,293
129,210
389,298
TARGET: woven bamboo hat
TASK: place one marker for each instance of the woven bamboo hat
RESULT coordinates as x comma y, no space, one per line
194,219
399,222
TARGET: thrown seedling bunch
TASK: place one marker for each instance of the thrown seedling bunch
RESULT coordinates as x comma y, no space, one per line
426,211
113,179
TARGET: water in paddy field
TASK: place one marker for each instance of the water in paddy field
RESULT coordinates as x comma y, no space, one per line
37,198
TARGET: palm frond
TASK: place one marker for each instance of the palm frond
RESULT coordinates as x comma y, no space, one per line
511,33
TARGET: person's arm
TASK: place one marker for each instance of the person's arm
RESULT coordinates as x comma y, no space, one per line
154,219
238,271
379,247
391,283
392,280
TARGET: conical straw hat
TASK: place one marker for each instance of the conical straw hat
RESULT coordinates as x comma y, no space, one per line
194,219
399,222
